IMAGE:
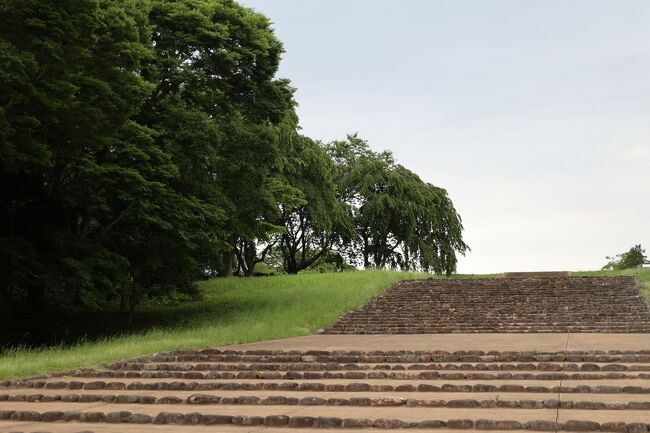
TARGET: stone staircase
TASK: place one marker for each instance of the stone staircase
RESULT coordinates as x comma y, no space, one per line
439,390
606,391
523,303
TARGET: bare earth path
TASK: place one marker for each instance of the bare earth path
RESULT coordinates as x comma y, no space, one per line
529,381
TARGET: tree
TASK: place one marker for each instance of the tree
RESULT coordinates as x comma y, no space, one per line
634,258
103,210
74,165
141,141
401,221
315,221
220,112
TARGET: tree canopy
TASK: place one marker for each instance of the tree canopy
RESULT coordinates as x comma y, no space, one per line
146,144
401,221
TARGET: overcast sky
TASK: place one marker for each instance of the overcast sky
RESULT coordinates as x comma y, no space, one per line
534,115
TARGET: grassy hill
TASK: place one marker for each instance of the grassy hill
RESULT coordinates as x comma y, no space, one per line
233,310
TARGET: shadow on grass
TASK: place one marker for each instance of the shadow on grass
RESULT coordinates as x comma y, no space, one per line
30,328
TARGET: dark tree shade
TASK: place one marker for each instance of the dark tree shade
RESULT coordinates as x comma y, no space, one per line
74,166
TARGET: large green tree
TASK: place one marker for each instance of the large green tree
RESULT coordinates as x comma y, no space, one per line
140,140
401,221
118,139
221,113
75,166
316,220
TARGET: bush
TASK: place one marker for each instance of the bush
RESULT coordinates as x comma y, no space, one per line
634,258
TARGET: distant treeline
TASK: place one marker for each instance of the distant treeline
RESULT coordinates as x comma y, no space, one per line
148,144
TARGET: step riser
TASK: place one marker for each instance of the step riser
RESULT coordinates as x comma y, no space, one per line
278,400
329,387
126,417
426,375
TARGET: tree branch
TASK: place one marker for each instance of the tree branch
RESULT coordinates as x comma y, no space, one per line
112,224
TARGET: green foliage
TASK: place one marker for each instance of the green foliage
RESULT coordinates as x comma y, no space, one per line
401,221
148,144
138,138
331,261
316,221
634,258
74,166
221,114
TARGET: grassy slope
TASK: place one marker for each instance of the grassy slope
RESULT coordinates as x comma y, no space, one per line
234,310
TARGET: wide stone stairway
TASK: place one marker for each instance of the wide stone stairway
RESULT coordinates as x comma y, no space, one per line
521,304
437,382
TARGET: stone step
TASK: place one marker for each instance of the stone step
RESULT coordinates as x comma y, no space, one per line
77,427
406,331
124,368
537,274
45,395
611,386
315,416
332,417
296,356
459,400
360,374
435,390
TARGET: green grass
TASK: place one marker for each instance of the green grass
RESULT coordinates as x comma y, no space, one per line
233,310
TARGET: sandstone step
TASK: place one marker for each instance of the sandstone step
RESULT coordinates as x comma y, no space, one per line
452,400
359,375
404,356
252,390
45,395
610,386
130,367
334,417
77,427
536,274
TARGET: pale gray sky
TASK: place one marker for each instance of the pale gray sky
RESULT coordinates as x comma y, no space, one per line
533,114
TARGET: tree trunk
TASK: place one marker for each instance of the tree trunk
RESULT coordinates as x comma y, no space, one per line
365,250
248,270
70,295
131,310
124,303
228,257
